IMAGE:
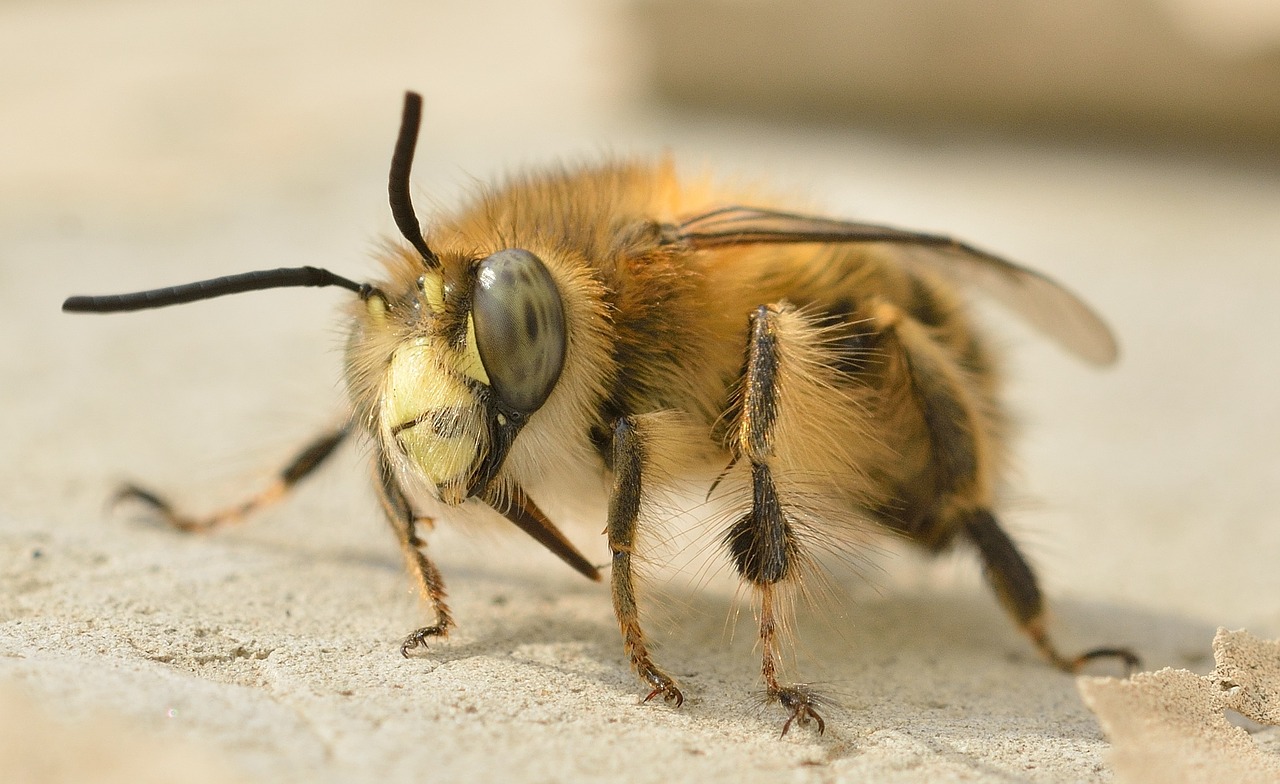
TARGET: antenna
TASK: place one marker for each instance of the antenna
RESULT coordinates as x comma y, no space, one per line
283,277
286,277
398,184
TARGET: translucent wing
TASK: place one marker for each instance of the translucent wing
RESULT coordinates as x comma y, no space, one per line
1043,303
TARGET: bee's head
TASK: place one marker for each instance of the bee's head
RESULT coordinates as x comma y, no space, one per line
446,370
449,359
450,368
445,364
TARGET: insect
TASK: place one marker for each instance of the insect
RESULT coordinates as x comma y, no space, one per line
606,322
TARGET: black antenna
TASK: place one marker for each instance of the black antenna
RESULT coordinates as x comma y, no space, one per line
286,277
398,185
283,277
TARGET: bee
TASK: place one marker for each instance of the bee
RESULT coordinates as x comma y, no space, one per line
612,322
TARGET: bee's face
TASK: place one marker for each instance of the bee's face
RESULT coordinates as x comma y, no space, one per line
457,362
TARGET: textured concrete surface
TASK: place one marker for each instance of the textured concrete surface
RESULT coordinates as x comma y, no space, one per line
148,143
1176,726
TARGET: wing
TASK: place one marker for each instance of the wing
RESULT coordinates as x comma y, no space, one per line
1043,303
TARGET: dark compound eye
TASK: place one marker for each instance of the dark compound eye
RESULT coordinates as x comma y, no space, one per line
519,321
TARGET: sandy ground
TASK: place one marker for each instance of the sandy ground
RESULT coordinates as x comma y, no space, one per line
149,143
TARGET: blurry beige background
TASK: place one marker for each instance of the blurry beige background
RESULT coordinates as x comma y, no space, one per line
147,143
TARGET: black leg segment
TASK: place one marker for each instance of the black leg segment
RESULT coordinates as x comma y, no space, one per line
627,458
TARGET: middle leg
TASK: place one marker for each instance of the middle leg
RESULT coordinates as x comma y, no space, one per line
627,458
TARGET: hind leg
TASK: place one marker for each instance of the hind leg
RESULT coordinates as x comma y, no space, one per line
764,543
962,478
1016,587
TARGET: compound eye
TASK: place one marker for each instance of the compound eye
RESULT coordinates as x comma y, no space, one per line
519,323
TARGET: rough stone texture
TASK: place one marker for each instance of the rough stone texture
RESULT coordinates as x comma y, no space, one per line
150,143
1171,725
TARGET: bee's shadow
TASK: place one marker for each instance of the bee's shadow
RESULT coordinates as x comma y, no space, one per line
880,660
885,662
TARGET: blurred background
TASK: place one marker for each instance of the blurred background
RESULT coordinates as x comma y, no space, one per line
170,106
1129,149
1126,148
1152,73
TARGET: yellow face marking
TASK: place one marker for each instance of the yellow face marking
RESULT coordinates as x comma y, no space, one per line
430,414
432,284
376,307
468,361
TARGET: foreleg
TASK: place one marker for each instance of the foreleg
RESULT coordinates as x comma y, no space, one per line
430,582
